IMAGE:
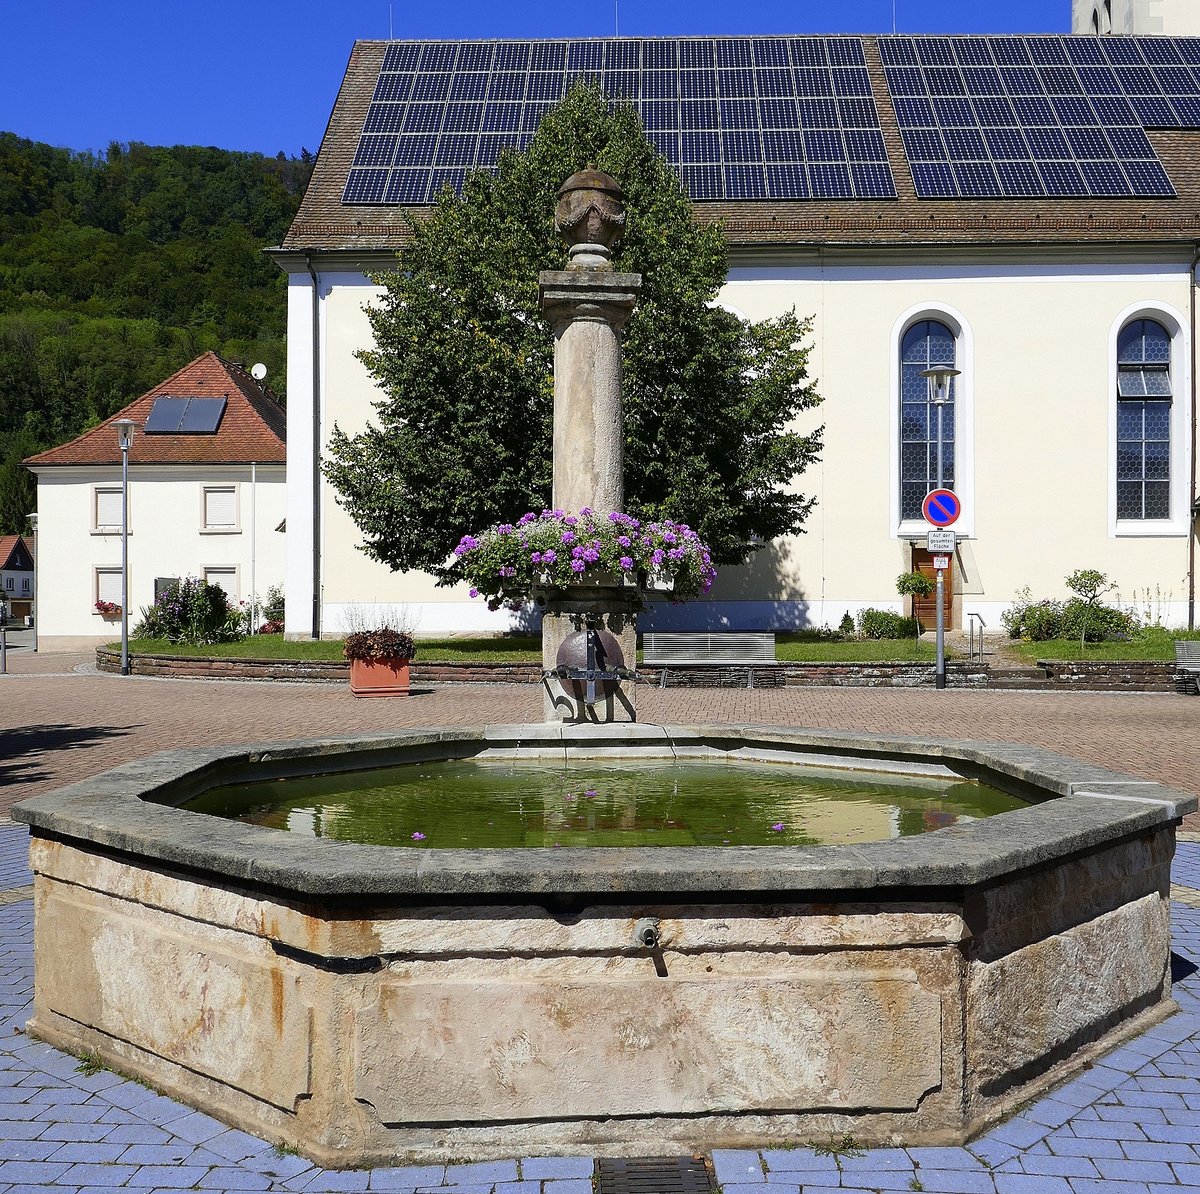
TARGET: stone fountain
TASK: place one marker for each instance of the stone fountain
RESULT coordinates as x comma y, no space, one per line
589,631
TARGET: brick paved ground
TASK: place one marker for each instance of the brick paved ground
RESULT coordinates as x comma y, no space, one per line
63,726
1128,1125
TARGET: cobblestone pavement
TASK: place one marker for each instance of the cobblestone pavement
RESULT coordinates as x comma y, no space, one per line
1130,1124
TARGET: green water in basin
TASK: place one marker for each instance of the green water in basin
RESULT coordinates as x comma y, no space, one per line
503,803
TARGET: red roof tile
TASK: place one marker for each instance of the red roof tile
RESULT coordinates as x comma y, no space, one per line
8,545
253,427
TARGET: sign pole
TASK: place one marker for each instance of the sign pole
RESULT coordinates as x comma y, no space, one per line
939,675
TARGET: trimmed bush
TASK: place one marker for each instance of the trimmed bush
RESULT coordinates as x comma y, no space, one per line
883,623
191,611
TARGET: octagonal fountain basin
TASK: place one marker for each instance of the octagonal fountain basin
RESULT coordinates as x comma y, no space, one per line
694,978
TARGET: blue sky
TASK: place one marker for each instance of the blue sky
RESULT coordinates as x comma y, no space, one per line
262,74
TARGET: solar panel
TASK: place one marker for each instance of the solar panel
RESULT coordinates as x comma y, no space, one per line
715,107
990,117
185,416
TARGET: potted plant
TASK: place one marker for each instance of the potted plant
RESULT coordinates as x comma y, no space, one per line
379,661
108,609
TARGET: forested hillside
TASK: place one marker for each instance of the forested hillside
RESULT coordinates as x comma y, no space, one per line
116,270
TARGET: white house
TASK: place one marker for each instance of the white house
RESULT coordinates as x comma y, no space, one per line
1026,210
16,576
206,498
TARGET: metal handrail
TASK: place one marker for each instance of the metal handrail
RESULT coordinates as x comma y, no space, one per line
971,631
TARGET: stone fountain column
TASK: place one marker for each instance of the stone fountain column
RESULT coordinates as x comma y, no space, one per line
587,305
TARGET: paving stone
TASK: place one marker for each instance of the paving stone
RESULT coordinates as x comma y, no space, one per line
1052,1166
876,1160
1024,1130
876,1179
88,1150
944,1158
1108,1186
1031,1183
757,1188
16,1172
1131,1171
569,1185
954,1181
94,1174
28,1150
737,1166
408,1177
1075,1146
790,1160
198,1127
543,1168
1159,1151
179,1176
530,1187
1106,1129
481,1172
335,1180
227,1178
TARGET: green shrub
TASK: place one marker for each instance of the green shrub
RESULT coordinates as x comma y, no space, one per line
883,623
1096,623
846,625
1032,620
916,584
272,607
191,611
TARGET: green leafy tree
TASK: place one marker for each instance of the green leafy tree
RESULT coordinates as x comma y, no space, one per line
462,436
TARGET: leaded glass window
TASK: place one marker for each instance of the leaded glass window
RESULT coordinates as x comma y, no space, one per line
925,345
1143,421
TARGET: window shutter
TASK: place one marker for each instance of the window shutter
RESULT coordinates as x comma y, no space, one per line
224,578
108,585
220,509
108,508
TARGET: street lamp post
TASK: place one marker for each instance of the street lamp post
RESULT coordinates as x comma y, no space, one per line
939,379
124,442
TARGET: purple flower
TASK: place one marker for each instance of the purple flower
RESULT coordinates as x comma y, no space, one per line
577,565
777,827
536,557
657,557
474,593
626,563
591,555
668,537
570,520
613,516
586,512
548,557
623,540
591,792
568,537
505,528
418,837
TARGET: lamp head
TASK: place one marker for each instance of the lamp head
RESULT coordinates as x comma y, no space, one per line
124,433
939,378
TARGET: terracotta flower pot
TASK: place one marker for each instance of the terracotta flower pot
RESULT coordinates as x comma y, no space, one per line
379,677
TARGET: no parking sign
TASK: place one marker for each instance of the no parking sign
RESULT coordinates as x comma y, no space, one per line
941,507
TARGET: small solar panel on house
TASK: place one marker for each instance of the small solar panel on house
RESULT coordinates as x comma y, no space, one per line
185,416
1060,116
166,416
707,103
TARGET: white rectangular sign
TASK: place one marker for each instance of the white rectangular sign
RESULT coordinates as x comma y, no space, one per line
939,540
941,563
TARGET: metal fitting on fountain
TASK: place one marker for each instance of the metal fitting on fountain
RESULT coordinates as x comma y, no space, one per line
646,933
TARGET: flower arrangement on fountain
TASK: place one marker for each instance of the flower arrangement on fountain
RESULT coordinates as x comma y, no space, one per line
555,549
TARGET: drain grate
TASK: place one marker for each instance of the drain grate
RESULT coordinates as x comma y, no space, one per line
653,1175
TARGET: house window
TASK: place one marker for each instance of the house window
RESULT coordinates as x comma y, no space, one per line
219,511
1144,394
223,578
106,508
925,344
24,584
108,585
9,583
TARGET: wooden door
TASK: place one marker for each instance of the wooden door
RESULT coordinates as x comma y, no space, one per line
925,608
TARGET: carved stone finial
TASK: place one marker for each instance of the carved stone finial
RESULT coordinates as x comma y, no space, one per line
590,216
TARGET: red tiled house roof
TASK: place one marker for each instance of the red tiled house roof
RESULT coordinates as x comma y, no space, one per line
8,549
252,429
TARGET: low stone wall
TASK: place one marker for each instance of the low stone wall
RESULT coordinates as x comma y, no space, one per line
1112,675
1097,676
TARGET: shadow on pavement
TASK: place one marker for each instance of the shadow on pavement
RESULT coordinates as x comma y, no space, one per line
23,748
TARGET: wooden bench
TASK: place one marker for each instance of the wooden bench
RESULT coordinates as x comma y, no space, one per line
701,648
1187,660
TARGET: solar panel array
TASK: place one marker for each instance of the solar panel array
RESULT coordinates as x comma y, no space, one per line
992,117
185,416
741,118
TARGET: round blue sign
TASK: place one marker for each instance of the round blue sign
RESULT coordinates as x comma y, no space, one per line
941,507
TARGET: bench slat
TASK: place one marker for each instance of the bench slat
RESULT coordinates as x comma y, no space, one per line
708,647
1187,654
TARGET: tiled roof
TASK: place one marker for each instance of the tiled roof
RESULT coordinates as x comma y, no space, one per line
8,546
324,222
253,427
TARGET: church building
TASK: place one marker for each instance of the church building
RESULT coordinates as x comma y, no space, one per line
1024,210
